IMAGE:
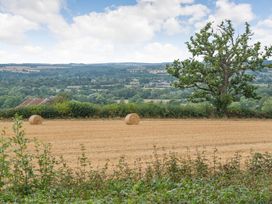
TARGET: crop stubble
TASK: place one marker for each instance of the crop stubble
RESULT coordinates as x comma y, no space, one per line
110,139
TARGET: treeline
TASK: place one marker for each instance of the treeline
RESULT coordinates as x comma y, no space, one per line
73,109
101,84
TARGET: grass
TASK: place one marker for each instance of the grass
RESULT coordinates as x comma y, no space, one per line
40,177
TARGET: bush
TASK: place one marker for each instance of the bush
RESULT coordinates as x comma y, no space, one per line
117,110
45,111
246,108
82,110
73,109
63,109
88,110
267,107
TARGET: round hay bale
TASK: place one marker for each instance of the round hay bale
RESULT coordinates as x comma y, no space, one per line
132,119
35,120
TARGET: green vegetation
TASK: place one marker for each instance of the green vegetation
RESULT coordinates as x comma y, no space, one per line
89,110
101,84
246,108
39,177
222,65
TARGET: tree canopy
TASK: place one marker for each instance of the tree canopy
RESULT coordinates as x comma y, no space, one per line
222,65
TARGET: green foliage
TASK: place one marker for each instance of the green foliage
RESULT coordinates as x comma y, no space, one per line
87,110
61,98
28,176
223,74
100,84
10,101
267,106
81,110
136,99
246,108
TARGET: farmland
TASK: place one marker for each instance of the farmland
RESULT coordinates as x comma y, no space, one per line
100,84
111,139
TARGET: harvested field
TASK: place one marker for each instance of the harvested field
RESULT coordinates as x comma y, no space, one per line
110,139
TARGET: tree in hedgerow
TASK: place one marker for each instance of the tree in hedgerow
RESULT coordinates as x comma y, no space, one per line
221,69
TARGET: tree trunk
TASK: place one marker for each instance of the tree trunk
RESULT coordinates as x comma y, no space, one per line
222,103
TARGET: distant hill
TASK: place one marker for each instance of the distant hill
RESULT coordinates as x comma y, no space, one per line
76,65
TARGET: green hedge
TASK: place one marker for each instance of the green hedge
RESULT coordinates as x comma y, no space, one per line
74,109
88,110
251,108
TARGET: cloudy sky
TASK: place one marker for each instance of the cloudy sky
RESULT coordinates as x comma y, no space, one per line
94,31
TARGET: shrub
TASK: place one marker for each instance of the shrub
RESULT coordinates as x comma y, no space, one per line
63,109
73,109
245,109
267,107
82,110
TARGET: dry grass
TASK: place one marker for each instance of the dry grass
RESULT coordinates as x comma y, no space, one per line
132,119
110,139
35,120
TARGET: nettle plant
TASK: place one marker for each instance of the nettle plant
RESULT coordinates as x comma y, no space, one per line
221,67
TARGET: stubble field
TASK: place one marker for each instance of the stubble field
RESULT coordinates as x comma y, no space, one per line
111,139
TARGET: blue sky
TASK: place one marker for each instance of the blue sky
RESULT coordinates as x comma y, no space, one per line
89,31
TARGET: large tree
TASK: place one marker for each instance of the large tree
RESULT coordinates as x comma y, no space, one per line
222,65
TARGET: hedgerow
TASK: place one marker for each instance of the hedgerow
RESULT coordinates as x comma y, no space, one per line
74,109
88,110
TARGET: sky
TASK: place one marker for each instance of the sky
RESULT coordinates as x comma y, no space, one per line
101,31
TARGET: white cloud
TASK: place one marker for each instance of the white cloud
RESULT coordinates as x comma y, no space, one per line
41,12
197,12
7,57
113,26
156,52
13,28
35,10
150,52
173,26
120,33
127,33
29,49
227,9
124,33
137,23
263,31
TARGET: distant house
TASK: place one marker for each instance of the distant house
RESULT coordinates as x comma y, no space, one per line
34,102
